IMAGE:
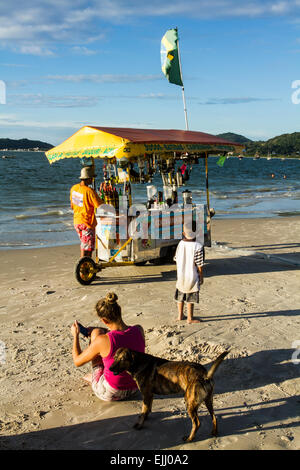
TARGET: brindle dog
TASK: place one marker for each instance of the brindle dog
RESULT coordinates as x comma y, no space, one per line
155,375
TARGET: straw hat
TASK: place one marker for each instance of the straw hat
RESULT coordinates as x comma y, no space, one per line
87,172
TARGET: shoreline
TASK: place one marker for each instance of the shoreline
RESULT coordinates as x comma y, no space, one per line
249,302
215,222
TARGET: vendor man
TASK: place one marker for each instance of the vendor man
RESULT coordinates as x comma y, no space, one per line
84,201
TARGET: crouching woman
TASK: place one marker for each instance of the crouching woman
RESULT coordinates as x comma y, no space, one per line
101,350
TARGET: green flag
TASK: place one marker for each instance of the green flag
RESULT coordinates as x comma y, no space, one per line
170,57
221,160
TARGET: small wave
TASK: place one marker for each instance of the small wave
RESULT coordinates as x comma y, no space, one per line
219,196
288,194
248,204
14,244
49,230
42,214
268,190
230,212
287,213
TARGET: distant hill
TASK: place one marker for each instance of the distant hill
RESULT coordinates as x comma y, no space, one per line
281,145
24,144
285,144
240,139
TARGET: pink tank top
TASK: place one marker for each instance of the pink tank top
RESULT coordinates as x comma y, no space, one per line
131,338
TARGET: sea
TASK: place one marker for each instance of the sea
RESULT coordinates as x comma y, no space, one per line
35,208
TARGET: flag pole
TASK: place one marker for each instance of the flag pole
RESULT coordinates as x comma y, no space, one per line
183,97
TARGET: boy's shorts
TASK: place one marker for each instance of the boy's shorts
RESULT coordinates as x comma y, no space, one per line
106,392
191,297
87,237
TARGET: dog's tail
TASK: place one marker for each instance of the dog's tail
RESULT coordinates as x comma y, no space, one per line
216,364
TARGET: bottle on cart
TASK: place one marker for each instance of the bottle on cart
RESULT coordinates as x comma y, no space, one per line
179,180
101,191
116,198
174,197
111,195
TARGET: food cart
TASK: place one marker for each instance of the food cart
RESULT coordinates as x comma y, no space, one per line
129,233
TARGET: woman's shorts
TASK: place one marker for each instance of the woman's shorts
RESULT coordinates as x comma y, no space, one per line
87,237
106,392
191,297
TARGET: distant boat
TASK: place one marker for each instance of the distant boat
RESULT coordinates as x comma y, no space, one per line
256,156
8,156
240,157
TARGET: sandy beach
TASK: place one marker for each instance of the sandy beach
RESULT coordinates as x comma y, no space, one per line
250,303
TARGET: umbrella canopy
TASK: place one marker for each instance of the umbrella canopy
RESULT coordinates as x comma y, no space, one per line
112,142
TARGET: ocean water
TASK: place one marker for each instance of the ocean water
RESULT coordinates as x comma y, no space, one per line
35,209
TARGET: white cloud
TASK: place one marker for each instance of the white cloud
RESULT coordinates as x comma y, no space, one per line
7,118
104,78
156,96
33,49
35,27
82,50
281,7
235,100
52,101
14,121
3,64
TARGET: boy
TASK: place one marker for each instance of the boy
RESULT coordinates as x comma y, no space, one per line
189,261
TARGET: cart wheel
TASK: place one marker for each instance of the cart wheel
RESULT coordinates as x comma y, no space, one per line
85,271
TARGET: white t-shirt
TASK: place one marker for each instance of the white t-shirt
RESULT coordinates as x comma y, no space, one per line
189,255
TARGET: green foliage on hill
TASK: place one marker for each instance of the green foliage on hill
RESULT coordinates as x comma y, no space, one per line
240,139
285,144
26,144
281,145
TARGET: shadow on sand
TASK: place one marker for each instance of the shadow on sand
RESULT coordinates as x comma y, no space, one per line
242,265
250,315
164,430
263,248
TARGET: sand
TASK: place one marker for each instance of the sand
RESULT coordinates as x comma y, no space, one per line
250,303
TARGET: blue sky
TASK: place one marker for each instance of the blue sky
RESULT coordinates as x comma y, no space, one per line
70,63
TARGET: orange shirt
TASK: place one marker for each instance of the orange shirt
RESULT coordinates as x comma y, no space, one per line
84,201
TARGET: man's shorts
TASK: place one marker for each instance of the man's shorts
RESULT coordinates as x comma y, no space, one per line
87,237
191,298
106,392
